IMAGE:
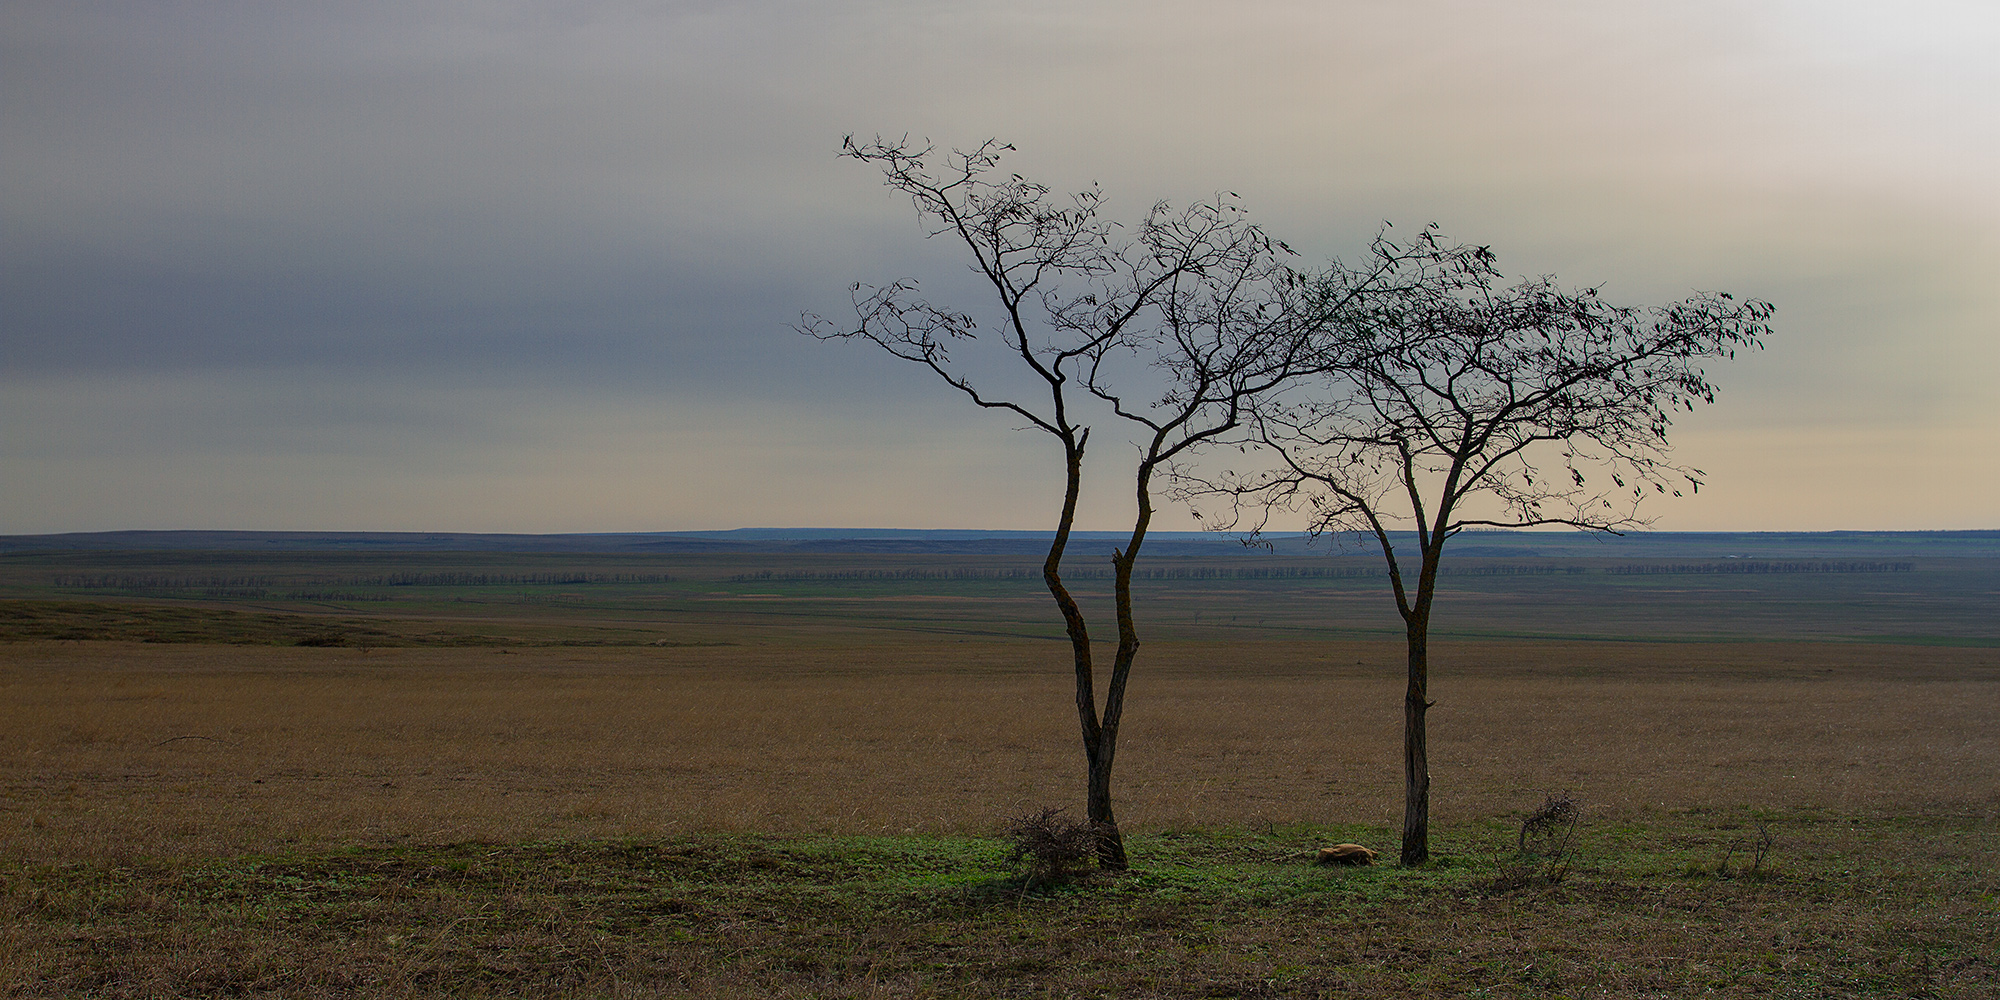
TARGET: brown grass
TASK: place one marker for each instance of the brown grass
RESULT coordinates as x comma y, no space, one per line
113,750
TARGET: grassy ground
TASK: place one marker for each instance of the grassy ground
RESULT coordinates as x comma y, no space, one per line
1673,906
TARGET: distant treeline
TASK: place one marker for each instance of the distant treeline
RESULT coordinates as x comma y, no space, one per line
1336,572
346,588
1320,572
128,581
506,579
239,586
810,575
1759,566
330,595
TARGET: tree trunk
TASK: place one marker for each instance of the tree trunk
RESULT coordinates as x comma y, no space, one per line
1416,702
1099,742
1416,755
1110,842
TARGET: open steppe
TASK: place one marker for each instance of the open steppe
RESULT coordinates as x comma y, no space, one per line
119,750
727,776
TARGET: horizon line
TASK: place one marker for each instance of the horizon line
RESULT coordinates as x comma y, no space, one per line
861,532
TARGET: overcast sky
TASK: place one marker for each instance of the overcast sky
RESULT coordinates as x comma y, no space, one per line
532,266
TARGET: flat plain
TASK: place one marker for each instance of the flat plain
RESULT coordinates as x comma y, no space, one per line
490,774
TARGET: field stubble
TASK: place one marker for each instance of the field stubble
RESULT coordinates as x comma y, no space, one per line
125,750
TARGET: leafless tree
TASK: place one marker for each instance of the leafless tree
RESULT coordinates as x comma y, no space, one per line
1230,322
1441,402
1238,325
1197,297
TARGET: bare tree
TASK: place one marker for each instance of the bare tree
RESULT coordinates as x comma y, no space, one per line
1441,402
1232,321
1237,326
1195,294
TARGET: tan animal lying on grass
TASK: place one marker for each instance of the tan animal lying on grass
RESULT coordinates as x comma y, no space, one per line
1346,854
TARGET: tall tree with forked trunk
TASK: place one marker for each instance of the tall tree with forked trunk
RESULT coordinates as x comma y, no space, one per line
1199,298
1442,401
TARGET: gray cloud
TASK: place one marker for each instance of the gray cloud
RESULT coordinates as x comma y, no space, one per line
451,217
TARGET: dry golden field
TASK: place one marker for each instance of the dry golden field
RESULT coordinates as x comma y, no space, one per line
112,750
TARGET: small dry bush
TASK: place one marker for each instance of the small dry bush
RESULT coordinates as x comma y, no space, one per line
1548,830
1545,845
1759,849
1050,847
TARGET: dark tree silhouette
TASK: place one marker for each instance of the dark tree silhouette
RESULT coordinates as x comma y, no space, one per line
1441,402
1198,295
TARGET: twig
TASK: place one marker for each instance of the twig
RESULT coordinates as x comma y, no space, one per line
211,739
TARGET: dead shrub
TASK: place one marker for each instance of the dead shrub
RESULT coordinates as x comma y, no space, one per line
1548,830
1544,842
1759,849
1051,847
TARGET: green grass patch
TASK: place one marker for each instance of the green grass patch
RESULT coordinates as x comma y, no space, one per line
1657,905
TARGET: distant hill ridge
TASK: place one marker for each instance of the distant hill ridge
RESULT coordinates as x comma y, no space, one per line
1708,546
